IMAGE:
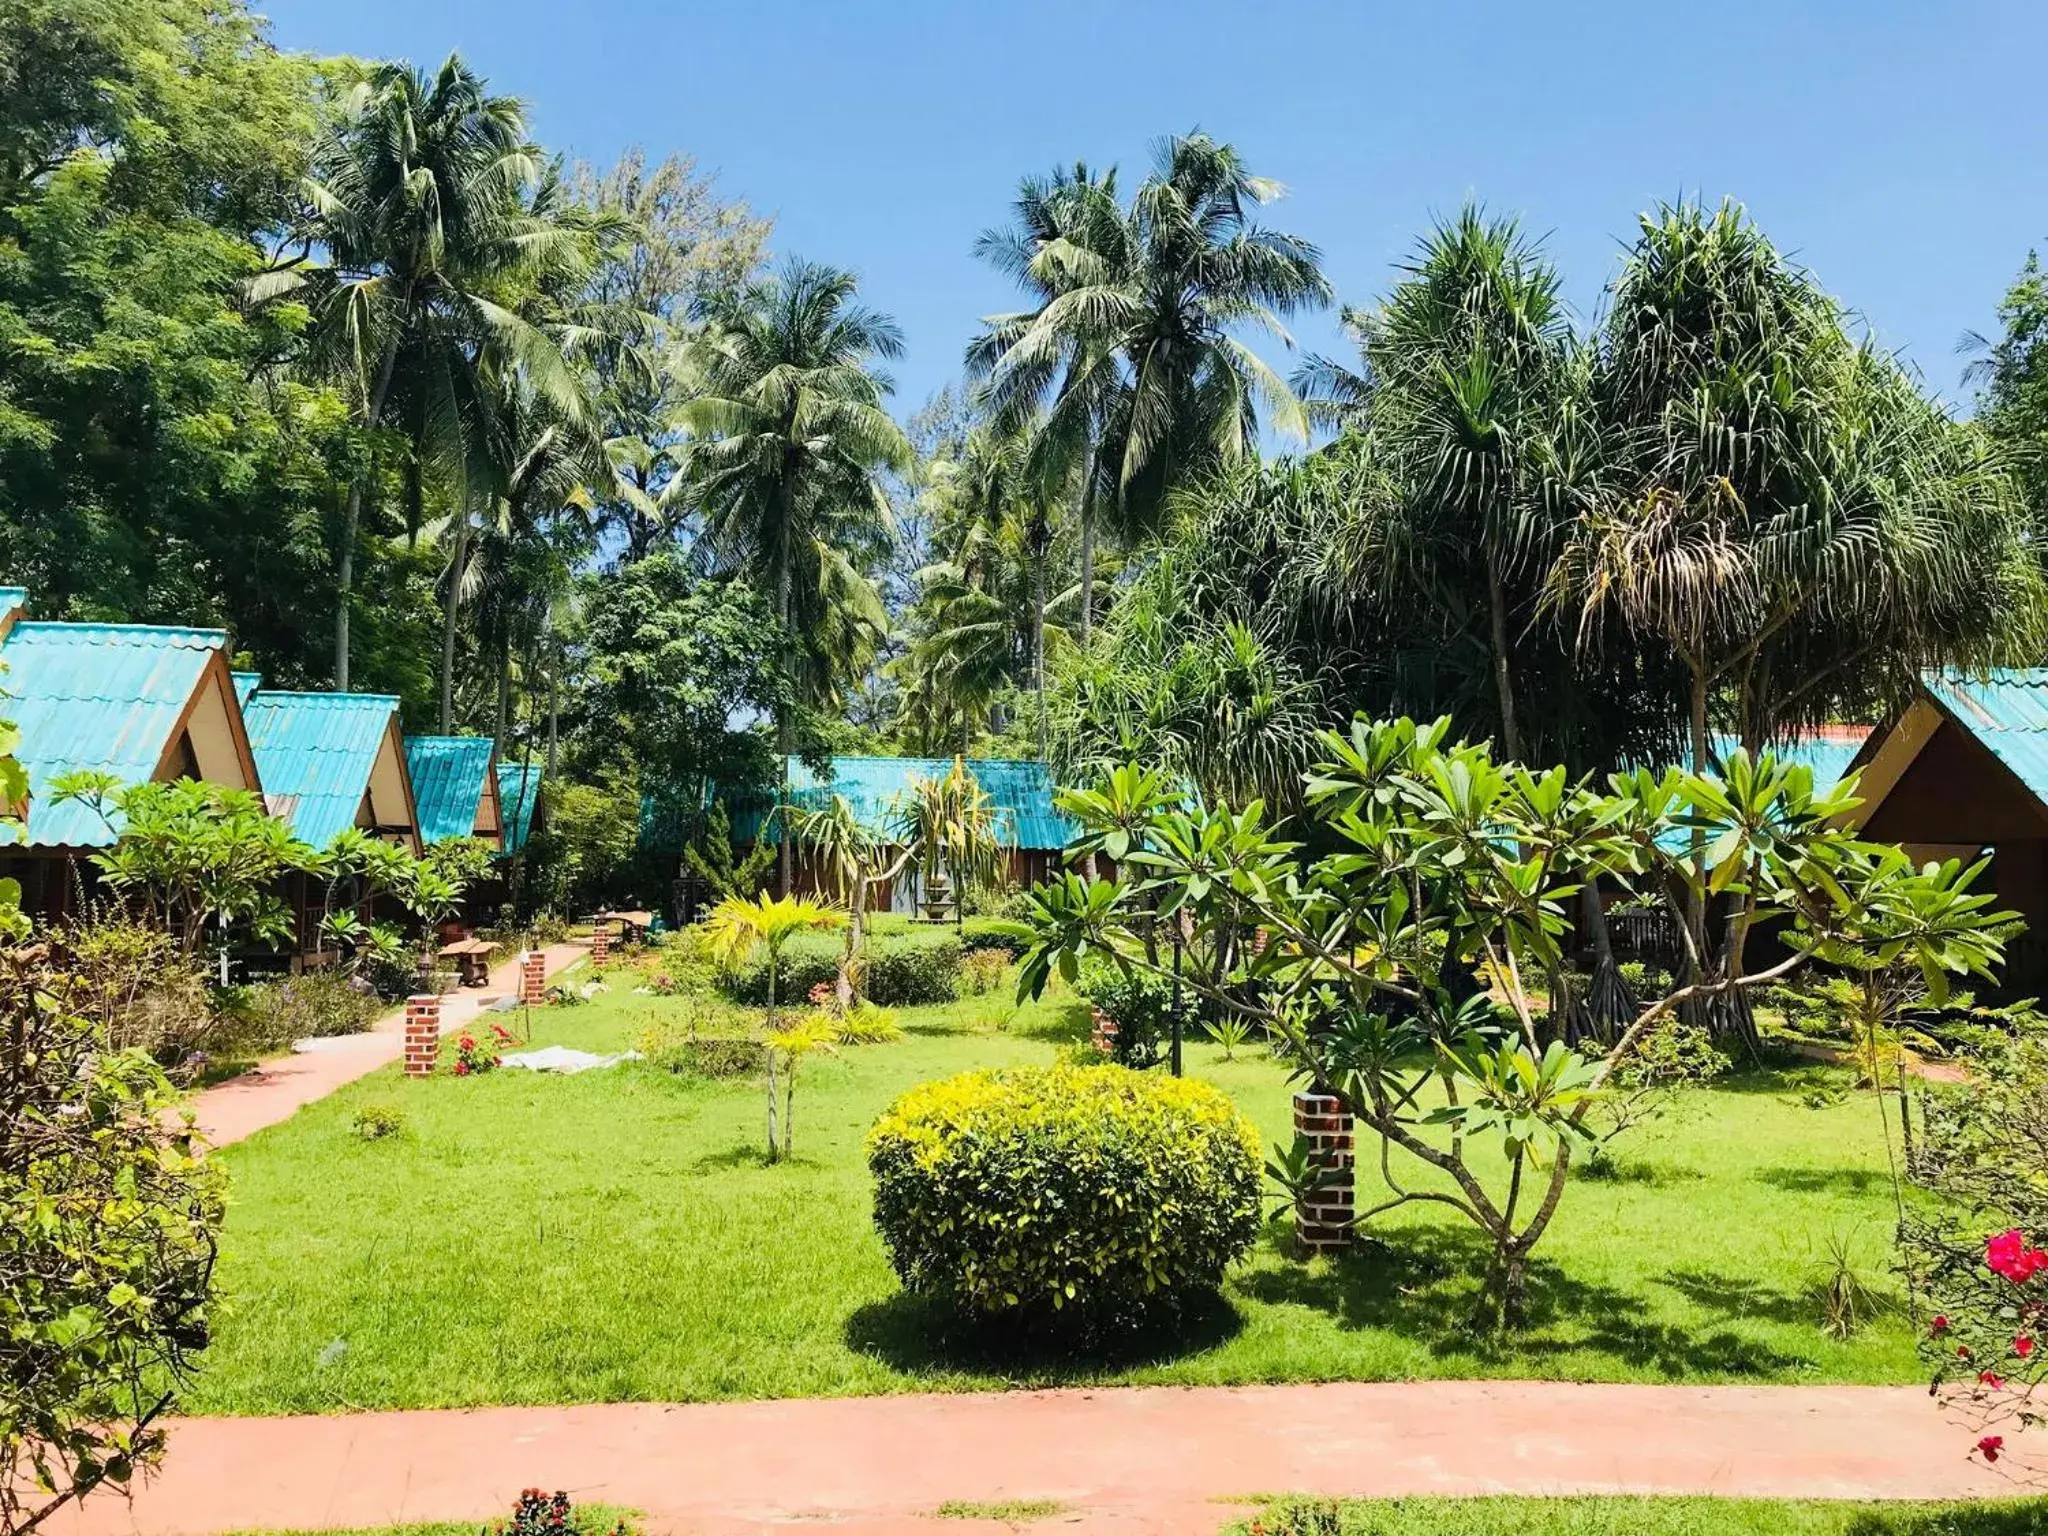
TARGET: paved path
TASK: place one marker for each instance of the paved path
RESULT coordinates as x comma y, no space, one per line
1122,1460
263,1096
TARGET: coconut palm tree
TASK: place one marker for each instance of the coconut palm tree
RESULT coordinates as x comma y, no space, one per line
418,211
1133,358
786,440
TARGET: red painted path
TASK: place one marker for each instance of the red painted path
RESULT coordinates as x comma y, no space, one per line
276,1090
1121,1460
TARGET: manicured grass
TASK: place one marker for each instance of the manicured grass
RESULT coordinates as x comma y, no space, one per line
1655,1517
616,1236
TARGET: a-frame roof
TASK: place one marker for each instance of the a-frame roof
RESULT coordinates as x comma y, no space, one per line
451,775
316,752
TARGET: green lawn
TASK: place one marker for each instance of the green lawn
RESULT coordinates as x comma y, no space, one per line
615,1236
1655,1517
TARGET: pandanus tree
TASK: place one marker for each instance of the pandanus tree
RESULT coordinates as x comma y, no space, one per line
418,222
786,440
1426,856
1779,509
1133,360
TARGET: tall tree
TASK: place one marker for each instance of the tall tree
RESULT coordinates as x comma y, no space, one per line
1134,357
2012,373
418,205
787,436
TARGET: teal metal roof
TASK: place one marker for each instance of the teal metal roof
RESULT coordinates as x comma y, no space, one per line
874,786
12,600
95,696
2006,710
518,797
1828,750
246,684
314,753
447,783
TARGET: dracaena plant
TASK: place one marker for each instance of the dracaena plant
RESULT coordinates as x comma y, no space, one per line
1405,926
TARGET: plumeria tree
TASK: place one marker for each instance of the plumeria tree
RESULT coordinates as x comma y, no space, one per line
1425,863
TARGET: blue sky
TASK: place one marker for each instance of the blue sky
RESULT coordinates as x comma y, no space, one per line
1899,149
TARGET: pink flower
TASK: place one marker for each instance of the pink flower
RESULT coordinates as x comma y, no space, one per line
1991,1445
2023,1346
1991,1379
2008,1256
1940,1323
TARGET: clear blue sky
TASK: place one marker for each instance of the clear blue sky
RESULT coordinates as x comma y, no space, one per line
1898,147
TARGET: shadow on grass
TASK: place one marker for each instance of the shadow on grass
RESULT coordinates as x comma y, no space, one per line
920,1337
1610,1171
2028,1518
749,1156
1826,1181
1069,1024
1427,1290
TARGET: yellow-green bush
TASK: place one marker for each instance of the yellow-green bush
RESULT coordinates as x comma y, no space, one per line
1091,1193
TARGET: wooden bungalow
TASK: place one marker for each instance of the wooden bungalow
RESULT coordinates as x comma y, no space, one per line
455,787
141,702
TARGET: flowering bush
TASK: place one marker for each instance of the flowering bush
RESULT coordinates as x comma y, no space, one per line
1984,1268
472,1058
551,1514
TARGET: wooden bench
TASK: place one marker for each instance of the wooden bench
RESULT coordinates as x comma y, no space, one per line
472,959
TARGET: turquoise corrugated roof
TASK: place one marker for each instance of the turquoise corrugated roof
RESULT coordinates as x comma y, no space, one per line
2007,710
873,786
447,783
314,753
98,696
12,599
246,684
1828,750
518,795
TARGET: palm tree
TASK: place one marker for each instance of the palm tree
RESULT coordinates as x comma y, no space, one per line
417,200
1132,357
736,931
786,438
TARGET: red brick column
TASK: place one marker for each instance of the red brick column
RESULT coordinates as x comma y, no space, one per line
600,943
1322,1219
422,1033
533,978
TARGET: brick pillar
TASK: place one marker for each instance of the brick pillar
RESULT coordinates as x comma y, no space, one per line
422,1033
533,978
1322,1220
600,943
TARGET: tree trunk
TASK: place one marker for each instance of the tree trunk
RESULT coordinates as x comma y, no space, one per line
1038,646
554,715
352,517
1609,1002
1695,900
1503,682
1087,548
785,733
451,618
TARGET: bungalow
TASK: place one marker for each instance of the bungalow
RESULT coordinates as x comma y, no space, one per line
876,787
142,702
455,787
1963,773
520,803
331,761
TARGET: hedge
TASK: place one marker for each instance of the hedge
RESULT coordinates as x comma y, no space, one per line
902,969
1082,1195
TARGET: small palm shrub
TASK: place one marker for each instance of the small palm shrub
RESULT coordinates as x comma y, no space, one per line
1076,1197
866,1023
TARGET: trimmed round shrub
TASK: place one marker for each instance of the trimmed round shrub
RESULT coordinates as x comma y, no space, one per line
1075,1195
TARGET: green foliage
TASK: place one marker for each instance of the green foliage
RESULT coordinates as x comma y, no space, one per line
318,1003
901,970
1624,1515
376,1122
710,858
1007,934
1142,1007
108,1220
1063,1193
1429,857
195,855
867,1023
982,971
587,845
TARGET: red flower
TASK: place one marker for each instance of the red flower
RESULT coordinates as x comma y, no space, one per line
1991,1379
501,1032
466,1043
2023,1346
462,1069
1991,1445
2008,1256
1940,1323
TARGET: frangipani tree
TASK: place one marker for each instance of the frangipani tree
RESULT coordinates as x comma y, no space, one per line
1428,860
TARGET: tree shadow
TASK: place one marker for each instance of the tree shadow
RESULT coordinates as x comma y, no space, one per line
749,1157
1608,1170
1069,1024
920,1336
1428,1290
2014,1517
1826,1181
1736,1296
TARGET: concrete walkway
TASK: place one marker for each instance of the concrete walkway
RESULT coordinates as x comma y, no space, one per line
266,1094
1125,1460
